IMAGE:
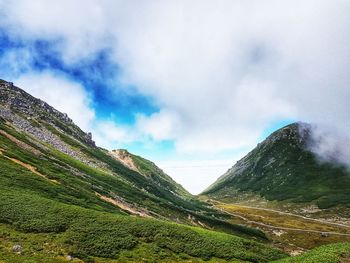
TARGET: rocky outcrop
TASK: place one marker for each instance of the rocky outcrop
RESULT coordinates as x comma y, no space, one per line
36,110
125,158
35,117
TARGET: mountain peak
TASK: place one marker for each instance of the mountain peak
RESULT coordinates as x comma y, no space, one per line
282,167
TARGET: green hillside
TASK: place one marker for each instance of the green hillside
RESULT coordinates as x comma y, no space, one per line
64,199
282,168
334,253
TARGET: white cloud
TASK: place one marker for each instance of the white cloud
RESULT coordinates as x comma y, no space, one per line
196,175
78,27
108,134
230,68
221,71
161,125
328,144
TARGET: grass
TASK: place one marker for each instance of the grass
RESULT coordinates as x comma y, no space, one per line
87,233
53,220
334,253
48,248
290,239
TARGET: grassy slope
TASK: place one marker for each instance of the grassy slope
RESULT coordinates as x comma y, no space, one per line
286,224
295,175
83,232
86,232
80,190
158,176
334,253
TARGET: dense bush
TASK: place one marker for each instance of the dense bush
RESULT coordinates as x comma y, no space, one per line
92,233
334,253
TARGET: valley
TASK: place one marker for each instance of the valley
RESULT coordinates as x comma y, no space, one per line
64,199
294,233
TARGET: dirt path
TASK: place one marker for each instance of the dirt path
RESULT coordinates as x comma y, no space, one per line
21,144
285,228
124,206
289,214
27,166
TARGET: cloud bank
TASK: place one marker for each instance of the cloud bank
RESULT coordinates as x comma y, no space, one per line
221,72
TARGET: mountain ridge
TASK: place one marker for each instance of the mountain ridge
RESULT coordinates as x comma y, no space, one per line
282,167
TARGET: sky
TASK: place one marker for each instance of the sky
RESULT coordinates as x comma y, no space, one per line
191,85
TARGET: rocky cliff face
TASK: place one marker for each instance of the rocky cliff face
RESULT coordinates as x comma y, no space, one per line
46,125
25,111
281,168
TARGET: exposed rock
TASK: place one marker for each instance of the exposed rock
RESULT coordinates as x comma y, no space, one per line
125,158
278,232
28,114
324,235
17,248
35,109
121,203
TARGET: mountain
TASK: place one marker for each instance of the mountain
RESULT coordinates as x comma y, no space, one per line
62,198
283,168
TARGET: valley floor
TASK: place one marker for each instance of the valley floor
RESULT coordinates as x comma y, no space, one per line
291,232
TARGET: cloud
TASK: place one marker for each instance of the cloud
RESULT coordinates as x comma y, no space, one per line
75,36
159,126
221,72
109,135
231,69
15,61
328,143
197,175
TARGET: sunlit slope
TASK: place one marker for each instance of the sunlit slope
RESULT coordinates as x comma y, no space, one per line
36,135
325,254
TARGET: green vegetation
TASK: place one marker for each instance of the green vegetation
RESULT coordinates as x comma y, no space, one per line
280,227
85,232
158,176
335,253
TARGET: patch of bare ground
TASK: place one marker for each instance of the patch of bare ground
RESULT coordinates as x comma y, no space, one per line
124,157
27,166
19,143
124,206
196,222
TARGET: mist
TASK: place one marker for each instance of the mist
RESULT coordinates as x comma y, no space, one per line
328,143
